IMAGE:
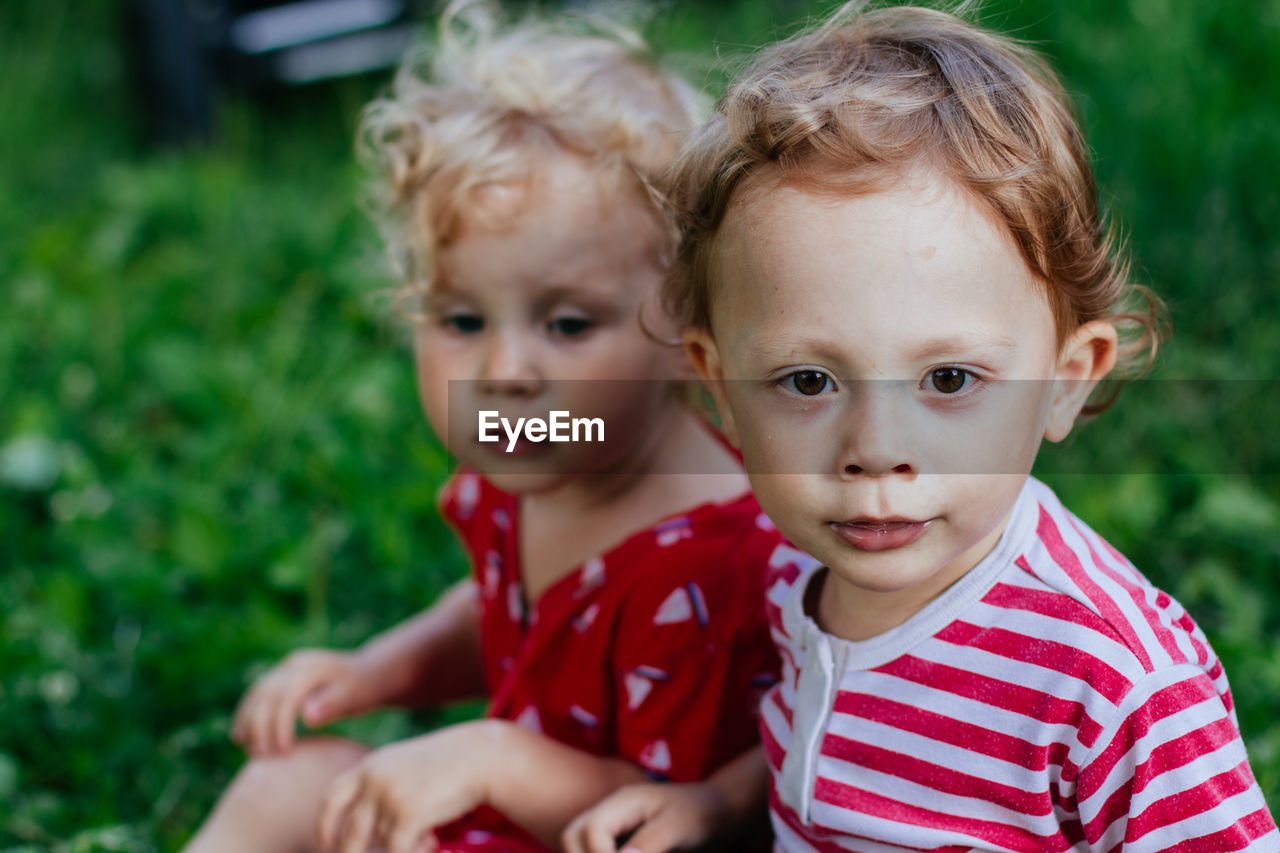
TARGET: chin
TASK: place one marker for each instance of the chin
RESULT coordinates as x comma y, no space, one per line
879,573
523,482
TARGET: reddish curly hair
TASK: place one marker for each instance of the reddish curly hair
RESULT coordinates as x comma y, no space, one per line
867,94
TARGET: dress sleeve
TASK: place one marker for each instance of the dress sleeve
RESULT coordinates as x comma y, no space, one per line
1171,773
459,501
692,658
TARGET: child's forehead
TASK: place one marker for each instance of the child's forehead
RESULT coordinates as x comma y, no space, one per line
916,253
901,206
563,220
543,182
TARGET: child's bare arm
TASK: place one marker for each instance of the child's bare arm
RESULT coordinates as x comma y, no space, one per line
432,657
400,793
662,817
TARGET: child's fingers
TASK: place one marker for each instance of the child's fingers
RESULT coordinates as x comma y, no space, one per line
342,794
326,704
576,836
285,714
280,727
265,720
658,836
594,831
256,726
357,829
260,735
244,731
409,837
597,838
243,728
254,716
569,836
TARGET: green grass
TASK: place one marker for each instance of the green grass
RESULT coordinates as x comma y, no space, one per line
211,451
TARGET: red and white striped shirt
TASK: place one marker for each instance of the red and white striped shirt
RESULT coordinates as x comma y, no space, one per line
1052,699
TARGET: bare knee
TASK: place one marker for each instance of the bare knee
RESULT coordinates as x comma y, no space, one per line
273,803
311,765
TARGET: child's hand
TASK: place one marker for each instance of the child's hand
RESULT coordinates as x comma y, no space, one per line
394,797
316,685
663,817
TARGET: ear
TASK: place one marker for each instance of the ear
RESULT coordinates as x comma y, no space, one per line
705,357
1084,360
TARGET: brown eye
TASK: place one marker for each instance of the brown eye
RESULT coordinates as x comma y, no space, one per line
467,324
570,327
948,380
808,382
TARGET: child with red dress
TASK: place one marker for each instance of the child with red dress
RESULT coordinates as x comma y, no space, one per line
614,615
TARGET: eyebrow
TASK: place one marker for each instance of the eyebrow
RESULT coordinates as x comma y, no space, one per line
967,344
544,297
551,293
440,293
781,349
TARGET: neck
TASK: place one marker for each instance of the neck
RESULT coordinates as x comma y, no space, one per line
655,454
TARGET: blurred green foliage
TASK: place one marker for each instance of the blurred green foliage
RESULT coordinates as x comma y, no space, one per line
210,446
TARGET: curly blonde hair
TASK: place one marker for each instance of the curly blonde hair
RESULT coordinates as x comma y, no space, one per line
479,105
869,93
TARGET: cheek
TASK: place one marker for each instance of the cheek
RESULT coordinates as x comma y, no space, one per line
783,438
1009,433
433,385
627,406
788,500
977,503
999,435
631,355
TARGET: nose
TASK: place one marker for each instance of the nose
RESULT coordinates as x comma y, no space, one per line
510,366
877,438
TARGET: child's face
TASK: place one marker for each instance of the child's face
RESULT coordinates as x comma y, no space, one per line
898,486
536,310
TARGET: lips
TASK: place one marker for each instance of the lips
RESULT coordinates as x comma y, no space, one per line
879,534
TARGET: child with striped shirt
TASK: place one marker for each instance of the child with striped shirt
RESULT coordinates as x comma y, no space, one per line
896,282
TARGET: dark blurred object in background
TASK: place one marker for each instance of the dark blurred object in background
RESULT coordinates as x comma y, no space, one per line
182,52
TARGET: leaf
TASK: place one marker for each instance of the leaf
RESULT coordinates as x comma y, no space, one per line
30,463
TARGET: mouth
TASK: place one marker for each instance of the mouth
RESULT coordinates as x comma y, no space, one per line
879,534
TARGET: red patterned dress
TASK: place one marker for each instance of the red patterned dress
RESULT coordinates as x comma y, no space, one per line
656,651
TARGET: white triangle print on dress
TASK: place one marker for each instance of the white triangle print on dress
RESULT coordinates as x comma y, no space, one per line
592,572
492,572
638,688
656,756
676,609
672,531
529,719
468,494
583,621
589,577
685,603
785,555
582,715
515,603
